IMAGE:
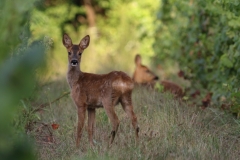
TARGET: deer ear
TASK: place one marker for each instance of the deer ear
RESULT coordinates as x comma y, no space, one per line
67,41
138,60
84,42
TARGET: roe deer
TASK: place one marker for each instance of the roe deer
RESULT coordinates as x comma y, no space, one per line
143,76
90,91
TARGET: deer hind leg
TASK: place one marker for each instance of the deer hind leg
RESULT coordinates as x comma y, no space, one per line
91,124
109,108
80,125
126,102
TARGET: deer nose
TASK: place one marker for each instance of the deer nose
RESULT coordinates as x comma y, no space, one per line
74,62
156,78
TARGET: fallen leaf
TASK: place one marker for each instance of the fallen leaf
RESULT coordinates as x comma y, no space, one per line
195,94
55,126
181,73
206,101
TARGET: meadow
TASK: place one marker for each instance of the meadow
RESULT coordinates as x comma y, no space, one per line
169,129
199,39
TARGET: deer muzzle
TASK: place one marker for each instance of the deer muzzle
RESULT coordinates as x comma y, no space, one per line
74,62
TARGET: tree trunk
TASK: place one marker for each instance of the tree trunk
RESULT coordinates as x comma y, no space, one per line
90,13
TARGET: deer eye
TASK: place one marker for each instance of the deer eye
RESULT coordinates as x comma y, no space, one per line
69,53
79,54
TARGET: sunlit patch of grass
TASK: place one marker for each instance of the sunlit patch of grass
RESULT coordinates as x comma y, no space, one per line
169,129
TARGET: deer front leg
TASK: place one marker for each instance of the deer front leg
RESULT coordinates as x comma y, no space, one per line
91,124
81,118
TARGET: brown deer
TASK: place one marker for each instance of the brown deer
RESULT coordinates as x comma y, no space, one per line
143,76
90,91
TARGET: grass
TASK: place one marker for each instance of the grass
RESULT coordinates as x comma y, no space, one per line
168,130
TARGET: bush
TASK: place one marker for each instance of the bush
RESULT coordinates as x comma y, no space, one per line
20,61
203,38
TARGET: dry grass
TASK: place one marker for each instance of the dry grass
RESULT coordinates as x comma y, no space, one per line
168,130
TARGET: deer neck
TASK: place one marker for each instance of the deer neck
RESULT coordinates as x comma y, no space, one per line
73,75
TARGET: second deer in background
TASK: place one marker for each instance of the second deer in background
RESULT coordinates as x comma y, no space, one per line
144,76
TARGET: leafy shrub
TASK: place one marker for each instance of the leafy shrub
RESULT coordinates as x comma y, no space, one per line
20,61
203,38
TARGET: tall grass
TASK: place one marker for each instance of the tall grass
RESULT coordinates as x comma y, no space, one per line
168,130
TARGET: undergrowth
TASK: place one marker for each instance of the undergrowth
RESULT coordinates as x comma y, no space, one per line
169,129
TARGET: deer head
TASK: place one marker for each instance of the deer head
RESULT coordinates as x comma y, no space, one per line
75,51
142,74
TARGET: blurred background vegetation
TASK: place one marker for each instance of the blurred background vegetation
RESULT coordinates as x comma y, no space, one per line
198,38
202,37
118,29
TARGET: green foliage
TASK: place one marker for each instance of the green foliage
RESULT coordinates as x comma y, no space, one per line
10,34
159,87
20,61
117,37
203,38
